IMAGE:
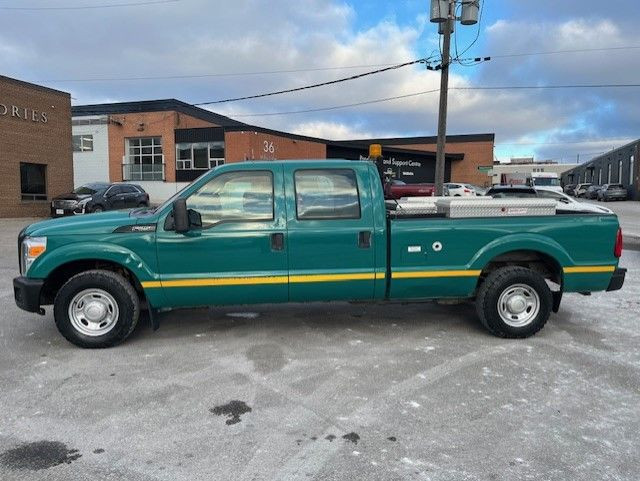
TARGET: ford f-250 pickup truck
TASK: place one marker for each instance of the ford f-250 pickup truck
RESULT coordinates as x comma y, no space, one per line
267,232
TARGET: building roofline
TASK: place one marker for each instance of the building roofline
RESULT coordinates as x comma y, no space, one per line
34,86
588,164
143,106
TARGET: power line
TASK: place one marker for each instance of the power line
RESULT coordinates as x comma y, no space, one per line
336,107
92,7
310,69
415,94
306,87
220,74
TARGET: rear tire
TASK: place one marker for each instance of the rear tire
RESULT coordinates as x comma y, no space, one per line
96,309
514,302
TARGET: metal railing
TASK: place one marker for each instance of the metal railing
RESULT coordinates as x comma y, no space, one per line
143,172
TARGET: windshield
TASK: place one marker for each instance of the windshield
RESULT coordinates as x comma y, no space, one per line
549,181
85,190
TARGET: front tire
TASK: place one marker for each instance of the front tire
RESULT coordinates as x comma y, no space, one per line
514,302
96,309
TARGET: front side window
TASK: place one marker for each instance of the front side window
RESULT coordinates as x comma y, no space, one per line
327,194
33,181
235,196
82,143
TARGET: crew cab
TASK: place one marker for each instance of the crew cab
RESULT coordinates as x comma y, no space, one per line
273,232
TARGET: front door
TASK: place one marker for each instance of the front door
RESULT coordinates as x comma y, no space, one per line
239,255
330,234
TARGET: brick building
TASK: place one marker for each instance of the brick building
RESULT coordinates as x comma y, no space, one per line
35,147
163,144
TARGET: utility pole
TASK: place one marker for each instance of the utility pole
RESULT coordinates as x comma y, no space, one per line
444,93
443,12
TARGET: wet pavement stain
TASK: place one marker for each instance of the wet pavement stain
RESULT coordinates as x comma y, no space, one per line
233,410
266,358
330,438
38,455
98,451
392,438
353,437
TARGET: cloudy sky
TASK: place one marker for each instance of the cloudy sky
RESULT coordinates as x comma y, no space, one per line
179,49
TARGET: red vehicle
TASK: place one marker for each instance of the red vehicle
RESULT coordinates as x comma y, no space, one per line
396,189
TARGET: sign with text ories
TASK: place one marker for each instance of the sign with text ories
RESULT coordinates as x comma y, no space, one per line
23,113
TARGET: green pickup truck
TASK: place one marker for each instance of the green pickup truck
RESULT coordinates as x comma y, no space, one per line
300,231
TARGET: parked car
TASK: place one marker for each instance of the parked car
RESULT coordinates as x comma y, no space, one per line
612,192
325,235
460,190
396,189
567,203
592,192
479,191
569,189
581,189
98,197
514,191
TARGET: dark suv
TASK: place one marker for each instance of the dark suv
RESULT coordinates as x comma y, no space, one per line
98,197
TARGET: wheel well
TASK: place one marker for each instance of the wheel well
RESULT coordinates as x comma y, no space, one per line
63,273
543,264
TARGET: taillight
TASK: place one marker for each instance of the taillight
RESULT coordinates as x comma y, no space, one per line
467,191
617,250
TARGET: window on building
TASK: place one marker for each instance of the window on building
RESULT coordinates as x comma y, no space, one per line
33,181
235,196
620,171
600,176
199,155
608,173
144,159
631,166
327,194
82,143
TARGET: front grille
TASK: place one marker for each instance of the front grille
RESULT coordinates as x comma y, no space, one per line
64,204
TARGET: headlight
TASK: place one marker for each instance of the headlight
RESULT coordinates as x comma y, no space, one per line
32,247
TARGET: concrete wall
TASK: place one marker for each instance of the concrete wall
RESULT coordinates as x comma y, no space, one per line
92,166
35,127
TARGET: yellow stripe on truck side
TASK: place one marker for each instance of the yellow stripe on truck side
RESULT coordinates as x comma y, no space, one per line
588,269
427,274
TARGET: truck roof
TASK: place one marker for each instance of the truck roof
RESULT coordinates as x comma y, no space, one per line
308,162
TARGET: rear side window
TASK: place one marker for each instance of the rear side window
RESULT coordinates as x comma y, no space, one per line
129,189
327,194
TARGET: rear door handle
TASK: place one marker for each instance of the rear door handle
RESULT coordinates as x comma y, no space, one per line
277,241
364,239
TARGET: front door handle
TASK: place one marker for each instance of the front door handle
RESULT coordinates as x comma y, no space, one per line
364,239
277,241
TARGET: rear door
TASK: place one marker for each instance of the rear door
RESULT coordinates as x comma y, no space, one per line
329,233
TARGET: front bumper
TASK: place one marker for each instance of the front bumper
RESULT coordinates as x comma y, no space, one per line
26,292
66,211
617,279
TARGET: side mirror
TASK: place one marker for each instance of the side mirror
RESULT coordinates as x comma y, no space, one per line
180,216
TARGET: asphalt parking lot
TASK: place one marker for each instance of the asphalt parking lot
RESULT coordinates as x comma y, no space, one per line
324,391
